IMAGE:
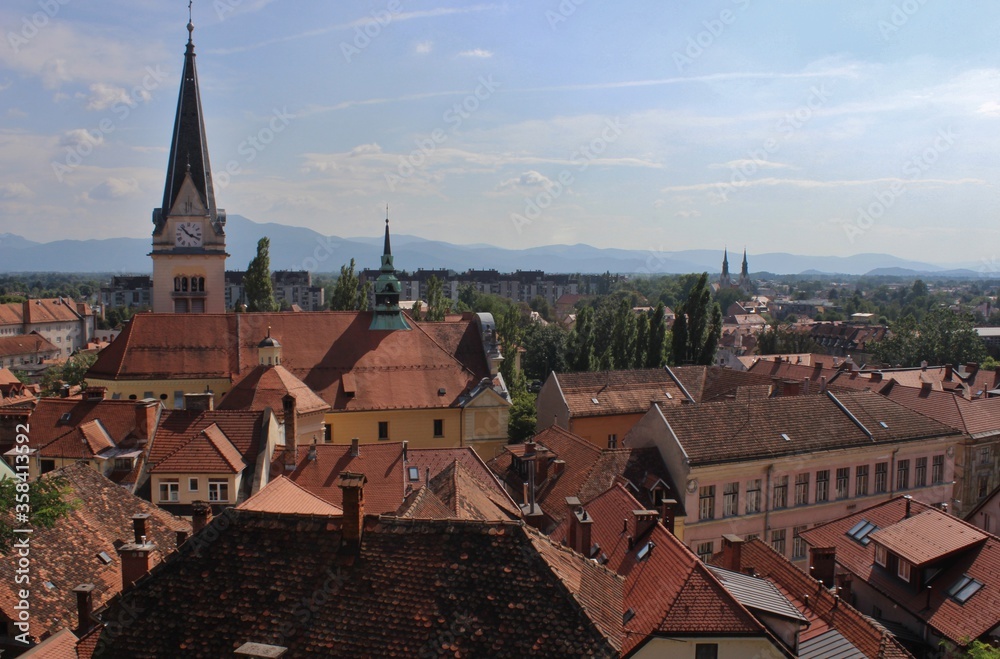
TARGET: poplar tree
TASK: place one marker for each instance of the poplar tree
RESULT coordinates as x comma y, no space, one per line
257,281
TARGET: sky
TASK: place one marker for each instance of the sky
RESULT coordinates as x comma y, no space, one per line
825,128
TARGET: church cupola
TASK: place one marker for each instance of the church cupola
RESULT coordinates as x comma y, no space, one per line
269,351
388,315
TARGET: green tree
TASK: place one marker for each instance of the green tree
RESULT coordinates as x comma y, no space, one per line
623,337
942,337
580,344
510,336
437,304
72,372
348,294
656,350
545,351
698,327
257,281
641,340
522,419
48,500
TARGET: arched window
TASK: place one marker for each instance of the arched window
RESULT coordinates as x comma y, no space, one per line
201,284
184,284
177,283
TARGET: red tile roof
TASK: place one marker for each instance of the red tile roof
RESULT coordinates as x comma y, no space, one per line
40,310
462,496
974,417
181,446
26,344
66,555
617,392
382,465
980,613
208,451
928,536
437,459
57,425
713,383
265,386
282,495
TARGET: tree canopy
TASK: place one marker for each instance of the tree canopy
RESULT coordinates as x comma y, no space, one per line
943,337
257,282
348,294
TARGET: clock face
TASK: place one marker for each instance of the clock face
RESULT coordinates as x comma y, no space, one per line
189,234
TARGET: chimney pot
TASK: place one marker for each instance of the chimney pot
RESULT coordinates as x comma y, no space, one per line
908,500
668,511
201,515
355,447
352,486
84,608
139,527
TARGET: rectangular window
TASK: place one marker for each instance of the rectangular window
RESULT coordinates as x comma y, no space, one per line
753,496
920,473
778,541
903,475
706,502
612,441
706,651
383,430
802,489
881,480
169,491
327,434
843,482
903,569
705,551
822,485
881,555
751,536
937,469
731,499
192,485
123,464
439,427
178,400
218,490
780,492
985,455
798,543
982,485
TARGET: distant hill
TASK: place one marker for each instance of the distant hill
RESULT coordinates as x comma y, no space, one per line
295,248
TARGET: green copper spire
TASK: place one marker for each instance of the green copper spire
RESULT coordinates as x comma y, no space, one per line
388,315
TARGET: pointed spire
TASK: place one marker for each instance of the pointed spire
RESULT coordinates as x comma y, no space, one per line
387,314
386,251
189,146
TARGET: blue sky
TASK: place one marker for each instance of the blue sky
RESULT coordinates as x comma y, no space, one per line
828,128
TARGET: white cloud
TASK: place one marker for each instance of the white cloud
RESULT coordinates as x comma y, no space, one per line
476,52
815,184
687,214
529,179
424,47
750,162
113,188
103,96
79,136
365,149
15,191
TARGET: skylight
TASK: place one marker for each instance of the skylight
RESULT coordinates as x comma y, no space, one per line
628,615
964,588
595,401
861,530
104,558
669,397
884,424
785,437
645,551
414,473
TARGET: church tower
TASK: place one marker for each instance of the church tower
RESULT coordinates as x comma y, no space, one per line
744,282
724,281
189,239
388,315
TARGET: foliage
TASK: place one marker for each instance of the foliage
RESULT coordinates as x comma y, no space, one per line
580,343
782,339
624,336
257,281
697,328
656,350
542,307
348,294
510,336
522,420
437,304
943,337
973,649
48,499
545,350
72,372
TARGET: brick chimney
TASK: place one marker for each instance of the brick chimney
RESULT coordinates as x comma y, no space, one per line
135,558
145,417
581,525
529,449
805,386
572,504
558,467
291,446
732,552
791,388
139,523
876,376
668,513
202,402
84,608
643,522
353,488
541,464
948,371
201,515
355,447
822,561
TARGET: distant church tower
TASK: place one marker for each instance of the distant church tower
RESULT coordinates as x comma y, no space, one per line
388,315
724,281
189,240
744,282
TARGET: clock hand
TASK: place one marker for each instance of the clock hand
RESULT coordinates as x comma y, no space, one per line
187,232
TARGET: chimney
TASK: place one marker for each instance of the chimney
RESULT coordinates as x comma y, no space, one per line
558,467
135,560
791,388
201,515
732,552
541,464
822,561
584,524
84,608
908,499
291,445
948,370
923,365
572,503
643,522
352,487
926,386
876,376
822,384
145,418
805,387
182,537
355,447
668,512
202,402
405,454
529,448
64,391
944,507
139,526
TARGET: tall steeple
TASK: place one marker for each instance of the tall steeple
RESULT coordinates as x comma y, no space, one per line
744,271
388,315
724,281
745,282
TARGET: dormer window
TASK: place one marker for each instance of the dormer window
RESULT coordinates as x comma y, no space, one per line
903,569
964,588
881,555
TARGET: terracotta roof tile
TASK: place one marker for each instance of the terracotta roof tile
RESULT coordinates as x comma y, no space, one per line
282,495
265,386
617,392
26,344
61,645
180,439
208,451
713,383
928,536
57,425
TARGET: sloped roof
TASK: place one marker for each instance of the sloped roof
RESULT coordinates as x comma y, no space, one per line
265,386
928,536
970,416
39,310
466,497
282,495
979,614
56,423
729,431
617,392
95,436
415,587
66,555
183,446
713,383
208,451
25,344
437,459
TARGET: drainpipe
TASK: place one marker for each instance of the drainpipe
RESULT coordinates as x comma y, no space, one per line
767,501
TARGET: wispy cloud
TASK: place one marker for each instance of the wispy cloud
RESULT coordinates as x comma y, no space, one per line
816,184
748,162
476,52
424,47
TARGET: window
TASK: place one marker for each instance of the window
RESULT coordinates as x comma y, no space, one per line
751,536
985,455
982,485
903,569
47,466
802,489
178,400
705,550
730,499
169,491
881,482
920,473
843,482
413,473
937,469
439,427
964,588
753,496
881,555
903,475
986,522
706,502
822,485
861,530
780,492
192,485
383,430
706,651
218,490
778,541
798,543
612,441
123,464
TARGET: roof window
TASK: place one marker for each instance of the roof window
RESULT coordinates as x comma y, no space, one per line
884,424
595,401
964,588
414,473
645,551
104,558
861,530
785,437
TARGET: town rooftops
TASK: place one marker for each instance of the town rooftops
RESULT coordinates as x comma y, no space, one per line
770,427
26,344
212,441
927,537
265,386
282,495
42,310
714,383
618,392
974,417
207,451
457,493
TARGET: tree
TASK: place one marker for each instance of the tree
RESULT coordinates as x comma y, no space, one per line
48,501
257,281
641,340
942,337
656,350
437,304
623,336
580,343
545,350
782,339
698,327
348,294
72,372
522,419
510,336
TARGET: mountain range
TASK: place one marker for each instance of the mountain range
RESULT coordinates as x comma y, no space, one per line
298,248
